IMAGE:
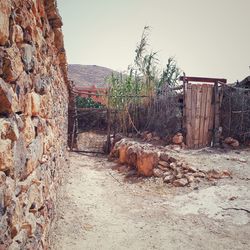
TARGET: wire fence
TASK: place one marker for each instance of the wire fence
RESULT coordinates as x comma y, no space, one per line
161,113
235,112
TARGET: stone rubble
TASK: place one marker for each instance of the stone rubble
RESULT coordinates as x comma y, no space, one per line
33,120
152,161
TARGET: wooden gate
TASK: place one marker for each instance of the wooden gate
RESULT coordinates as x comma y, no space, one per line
201,111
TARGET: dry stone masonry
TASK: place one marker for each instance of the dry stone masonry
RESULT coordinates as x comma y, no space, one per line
149,161
33,120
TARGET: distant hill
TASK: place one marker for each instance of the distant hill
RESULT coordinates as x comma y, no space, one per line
88,75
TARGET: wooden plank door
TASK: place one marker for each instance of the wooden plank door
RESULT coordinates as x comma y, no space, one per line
199,114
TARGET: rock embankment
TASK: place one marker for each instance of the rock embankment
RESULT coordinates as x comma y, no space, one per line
33,120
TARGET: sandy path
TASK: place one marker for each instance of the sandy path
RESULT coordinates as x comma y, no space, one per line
98,210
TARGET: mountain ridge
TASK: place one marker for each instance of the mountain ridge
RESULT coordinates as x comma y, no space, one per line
88,75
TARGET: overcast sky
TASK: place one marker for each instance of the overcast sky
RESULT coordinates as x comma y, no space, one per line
207,37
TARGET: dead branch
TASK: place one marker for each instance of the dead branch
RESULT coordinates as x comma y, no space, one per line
235,208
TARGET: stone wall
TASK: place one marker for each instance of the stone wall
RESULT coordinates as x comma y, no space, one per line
33,120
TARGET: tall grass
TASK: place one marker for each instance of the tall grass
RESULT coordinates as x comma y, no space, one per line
140,85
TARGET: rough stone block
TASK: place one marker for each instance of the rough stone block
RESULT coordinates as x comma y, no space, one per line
12,64
6,156
9,129
8,99
35,102
28,130
17,34
146,162
5,9
20,155
27,57
34,155
42,84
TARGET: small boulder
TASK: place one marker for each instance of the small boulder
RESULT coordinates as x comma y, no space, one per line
6,155
156,138
190,178
5,10
180,182
35,104
179,176
8,99
146,162
162,168
158,172
164,164
17,34
232,142
12,64
27,57
149,137
178,139
199,174
168,178
164,157
172,165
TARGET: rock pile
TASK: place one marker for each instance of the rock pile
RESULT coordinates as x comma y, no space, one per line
150,161
33,120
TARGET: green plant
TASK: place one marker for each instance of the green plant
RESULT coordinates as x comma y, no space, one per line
170,74
87,102
140,85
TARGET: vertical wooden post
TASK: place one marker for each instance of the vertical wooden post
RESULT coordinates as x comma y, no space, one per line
184,115
230,114
108,130
242,116
216,132
108,145
188,107
207,118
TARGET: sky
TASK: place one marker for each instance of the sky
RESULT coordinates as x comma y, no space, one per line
209,38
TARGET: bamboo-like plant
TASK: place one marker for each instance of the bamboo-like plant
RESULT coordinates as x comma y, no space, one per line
140,85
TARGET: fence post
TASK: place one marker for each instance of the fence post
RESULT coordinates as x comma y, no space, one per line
216,134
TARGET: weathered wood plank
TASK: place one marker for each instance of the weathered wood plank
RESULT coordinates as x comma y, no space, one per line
216,133
211,118
203,79
193,113
184,118
202,115
207,114
188,108
197,115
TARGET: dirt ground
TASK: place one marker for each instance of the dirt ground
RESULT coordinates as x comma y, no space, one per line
101,209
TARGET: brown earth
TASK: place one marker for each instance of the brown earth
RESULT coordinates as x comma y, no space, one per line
101,209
